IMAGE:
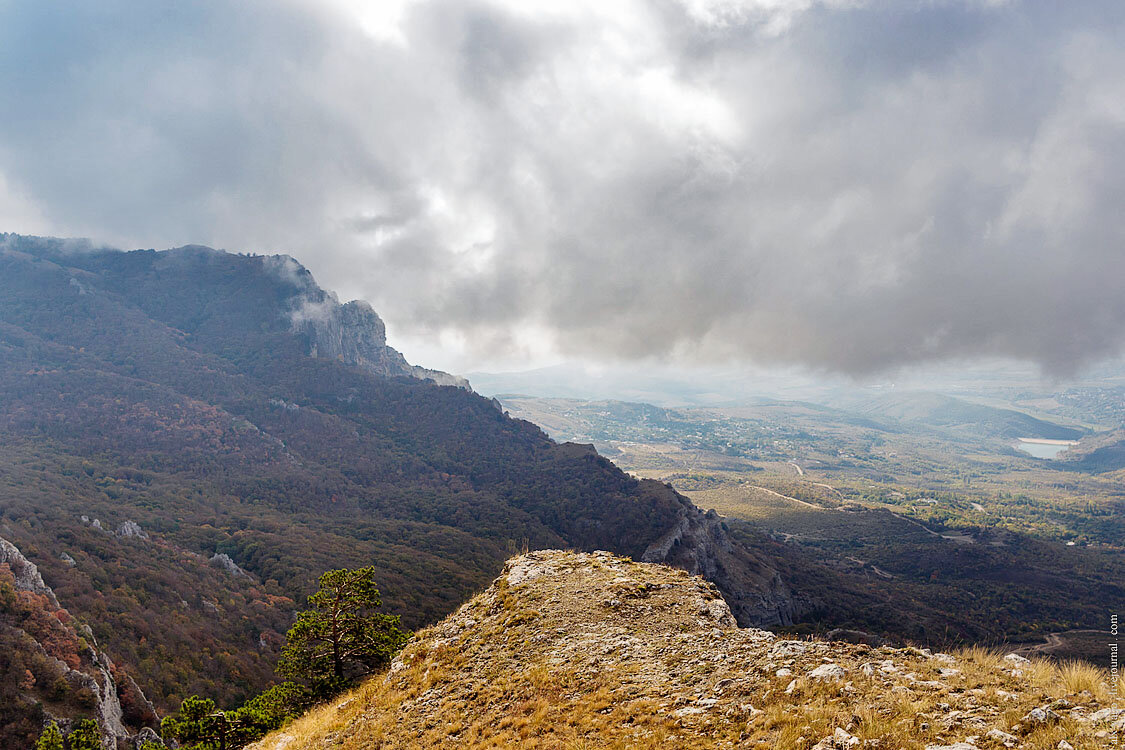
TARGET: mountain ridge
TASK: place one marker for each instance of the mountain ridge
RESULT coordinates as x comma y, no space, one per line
350,332
173,391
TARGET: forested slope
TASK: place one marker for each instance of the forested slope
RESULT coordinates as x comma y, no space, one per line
182,453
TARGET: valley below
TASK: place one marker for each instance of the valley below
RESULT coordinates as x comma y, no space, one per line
916,498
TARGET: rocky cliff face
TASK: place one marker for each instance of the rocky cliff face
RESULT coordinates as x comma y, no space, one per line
60,653
699,544
354,333
24,573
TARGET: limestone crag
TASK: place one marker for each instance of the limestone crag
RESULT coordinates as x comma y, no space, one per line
26,575
95,675
224,561
354,333
700,544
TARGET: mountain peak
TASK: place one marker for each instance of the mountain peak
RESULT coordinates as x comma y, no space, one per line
354,333
258,291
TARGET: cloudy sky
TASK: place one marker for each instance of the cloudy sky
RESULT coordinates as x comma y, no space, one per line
843,185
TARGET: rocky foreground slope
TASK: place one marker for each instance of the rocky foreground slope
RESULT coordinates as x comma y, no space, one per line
573,650
52,670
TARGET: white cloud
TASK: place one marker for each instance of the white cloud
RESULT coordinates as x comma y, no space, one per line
844,185
18,213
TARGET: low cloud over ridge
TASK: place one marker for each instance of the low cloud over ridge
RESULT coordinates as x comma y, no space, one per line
849,186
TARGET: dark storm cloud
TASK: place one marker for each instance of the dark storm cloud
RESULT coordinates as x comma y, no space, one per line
844,185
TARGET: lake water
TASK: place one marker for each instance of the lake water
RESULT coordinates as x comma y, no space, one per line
1043,450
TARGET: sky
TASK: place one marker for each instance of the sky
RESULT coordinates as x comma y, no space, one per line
836,185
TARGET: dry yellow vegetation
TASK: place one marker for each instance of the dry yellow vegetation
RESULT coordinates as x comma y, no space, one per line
575,651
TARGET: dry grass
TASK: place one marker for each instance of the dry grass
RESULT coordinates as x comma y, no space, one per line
541,666
549,707
1076,677
980,657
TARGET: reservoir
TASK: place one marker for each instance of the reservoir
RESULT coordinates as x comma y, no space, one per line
1043,448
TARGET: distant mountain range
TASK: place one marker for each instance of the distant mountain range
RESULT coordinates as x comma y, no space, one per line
1095,396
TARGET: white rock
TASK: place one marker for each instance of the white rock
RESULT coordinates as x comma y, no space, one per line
1005,739
224,561
719,611
1041,715
784,672
1105,714
131,530
1016,660
26,574
828,672
840,740
930,684
529,567
783,649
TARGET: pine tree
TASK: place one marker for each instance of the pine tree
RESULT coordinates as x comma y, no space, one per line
51,739
273,707
199,724
85,736
341,636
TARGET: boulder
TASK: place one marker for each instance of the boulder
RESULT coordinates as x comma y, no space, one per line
828,672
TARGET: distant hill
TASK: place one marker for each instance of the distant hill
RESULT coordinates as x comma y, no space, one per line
938,410
188,438
1100,453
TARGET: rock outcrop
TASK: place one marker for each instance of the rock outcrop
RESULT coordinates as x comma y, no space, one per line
700,544
65,650
131,530
224,561
24,572
597,651
354,333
